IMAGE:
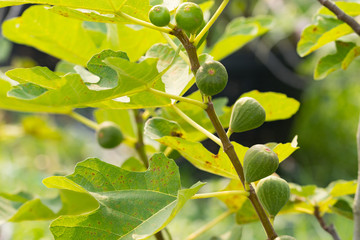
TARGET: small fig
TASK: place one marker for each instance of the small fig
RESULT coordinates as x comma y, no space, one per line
259,162
109,135
211,78
285,237
247,114
159,15
273,193
189,17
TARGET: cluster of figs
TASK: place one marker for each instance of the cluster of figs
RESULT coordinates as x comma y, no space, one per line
260,161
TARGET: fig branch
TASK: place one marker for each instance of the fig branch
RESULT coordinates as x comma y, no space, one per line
227,145
341,15
140,146
328,228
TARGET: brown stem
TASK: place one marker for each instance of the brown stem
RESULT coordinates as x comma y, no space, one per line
227,146
189,47
328,228
140,146
159,236
341,15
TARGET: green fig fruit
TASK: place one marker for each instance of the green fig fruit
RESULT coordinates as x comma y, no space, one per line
247,114
109,135
259,162
285,237
189,17
273,193
159,16
211,78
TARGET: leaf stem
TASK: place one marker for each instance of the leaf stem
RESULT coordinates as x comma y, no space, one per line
174,46
139,145
143,23
197,126
84,120
220,194
179,98
208,226
328,228
211,22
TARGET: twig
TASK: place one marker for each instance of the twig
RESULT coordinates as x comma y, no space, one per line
341,15
356,208
159,236
140,146
328,228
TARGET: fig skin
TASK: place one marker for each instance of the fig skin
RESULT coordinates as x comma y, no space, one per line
211,78
159,16
109,135
189,17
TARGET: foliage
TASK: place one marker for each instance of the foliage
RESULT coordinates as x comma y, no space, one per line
114,60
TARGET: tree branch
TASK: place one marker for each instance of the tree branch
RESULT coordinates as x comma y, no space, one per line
341,15
356,207
328,228
140,146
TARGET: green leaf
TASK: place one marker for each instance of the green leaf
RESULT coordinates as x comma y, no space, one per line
132,77
345,54
108,76
132,204
177,78
277,105
138,8
302,191
284,150
14,104
239,32
134,165
246,214
66,39
350,8
325,30
157,128
26,91
343,207
342,188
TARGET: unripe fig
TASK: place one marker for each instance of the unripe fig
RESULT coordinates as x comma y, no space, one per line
285,237
211,78
159,15
189,17
109,135
273,193
247,114
259,162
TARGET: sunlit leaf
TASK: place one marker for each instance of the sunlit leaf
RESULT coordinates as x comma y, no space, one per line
325,30
131,203
277,105
239,32
345,54
350,8
341,188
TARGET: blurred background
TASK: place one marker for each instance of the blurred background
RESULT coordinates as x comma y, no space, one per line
325,124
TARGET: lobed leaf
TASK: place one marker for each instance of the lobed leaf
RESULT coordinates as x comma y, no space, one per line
132,204
277,105
239,32
326,29
346,52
